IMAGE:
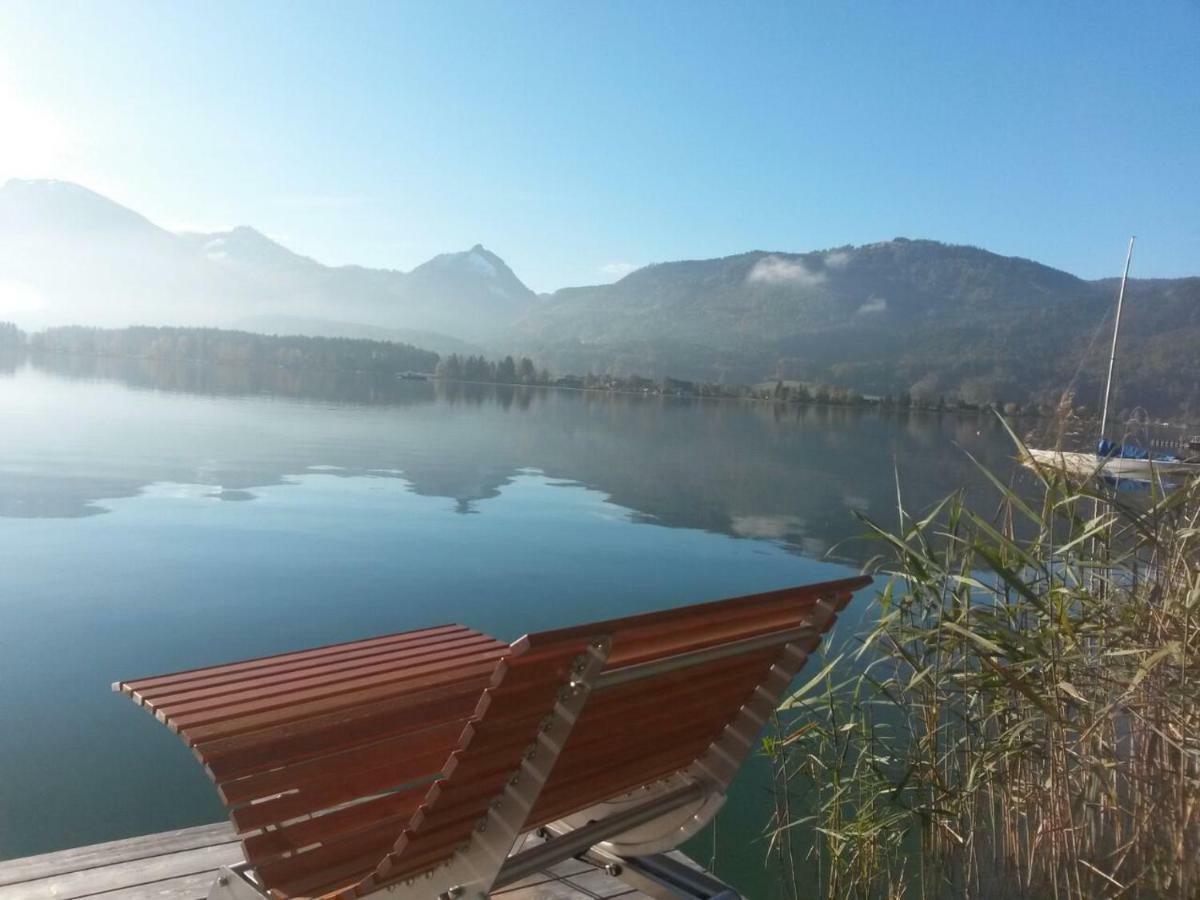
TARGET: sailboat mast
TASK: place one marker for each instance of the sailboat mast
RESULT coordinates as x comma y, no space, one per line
1112,359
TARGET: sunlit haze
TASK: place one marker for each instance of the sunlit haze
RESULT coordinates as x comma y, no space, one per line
794,405
579,142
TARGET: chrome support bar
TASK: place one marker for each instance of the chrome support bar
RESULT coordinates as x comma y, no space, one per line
662,876
581,839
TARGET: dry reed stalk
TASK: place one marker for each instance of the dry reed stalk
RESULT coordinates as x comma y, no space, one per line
1023,720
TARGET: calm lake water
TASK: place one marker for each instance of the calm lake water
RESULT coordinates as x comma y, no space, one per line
153,519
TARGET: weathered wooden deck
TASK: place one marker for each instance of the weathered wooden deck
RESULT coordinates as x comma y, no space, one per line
181,865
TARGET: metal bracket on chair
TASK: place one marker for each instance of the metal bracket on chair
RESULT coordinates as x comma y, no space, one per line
567,842
662,876
472,870
234,883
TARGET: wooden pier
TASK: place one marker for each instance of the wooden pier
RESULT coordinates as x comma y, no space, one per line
181,865
445,763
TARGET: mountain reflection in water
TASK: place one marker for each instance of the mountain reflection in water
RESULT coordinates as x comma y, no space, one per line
160,517
80,431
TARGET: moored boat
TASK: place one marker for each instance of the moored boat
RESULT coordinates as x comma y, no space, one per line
1076,463
1113,459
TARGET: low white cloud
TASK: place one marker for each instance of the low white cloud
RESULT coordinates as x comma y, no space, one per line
777,270
618,270
767,526
873,305
836,259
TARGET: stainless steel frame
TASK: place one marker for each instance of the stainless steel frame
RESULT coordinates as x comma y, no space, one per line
472,871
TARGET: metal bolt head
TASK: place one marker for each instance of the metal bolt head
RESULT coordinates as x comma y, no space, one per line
222,880
613,869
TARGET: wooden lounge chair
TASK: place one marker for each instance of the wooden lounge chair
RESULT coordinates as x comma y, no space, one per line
412,763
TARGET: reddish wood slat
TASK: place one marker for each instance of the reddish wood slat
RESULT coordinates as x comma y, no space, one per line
690,675
331,790
390,810
471,781
328,734
351,766
283,660
646,722
333,862
614,782
188,717
648,644
304,710
267,683
631,628
628,745
379,754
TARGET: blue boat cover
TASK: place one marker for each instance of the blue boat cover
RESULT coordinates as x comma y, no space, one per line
1111,449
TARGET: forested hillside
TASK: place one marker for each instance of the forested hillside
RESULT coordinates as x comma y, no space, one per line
901,316
218,346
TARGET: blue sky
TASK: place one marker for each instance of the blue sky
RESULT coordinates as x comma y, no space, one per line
579,140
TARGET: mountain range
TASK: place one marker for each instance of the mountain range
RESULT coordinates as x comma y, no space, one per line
69,255
902,315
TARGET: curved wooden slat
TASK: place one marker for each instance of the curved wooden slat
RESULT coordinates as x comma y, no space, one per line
332,748
356,766
284,660
522,694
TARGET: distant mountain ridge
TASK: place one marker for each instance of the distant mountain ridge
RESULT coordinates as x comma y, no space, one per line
897,316
890,317
83,258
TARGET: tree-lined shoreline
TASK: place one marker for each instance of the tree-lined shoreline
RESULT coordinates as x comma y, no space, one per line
386,358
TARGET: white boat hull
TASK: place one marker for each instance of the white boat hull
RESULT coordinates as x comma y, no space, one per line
1091,464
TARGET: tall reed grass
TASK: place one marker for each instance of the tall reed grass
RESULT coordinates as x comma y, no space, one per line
1022,717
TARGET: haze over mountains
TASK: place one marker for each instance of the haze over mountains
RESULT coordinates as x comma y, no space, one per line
68,255
901,315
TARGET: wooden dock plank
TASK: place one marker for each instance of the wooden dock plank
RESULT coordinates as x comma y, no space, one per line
126,875
187,887
78,859
181,865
